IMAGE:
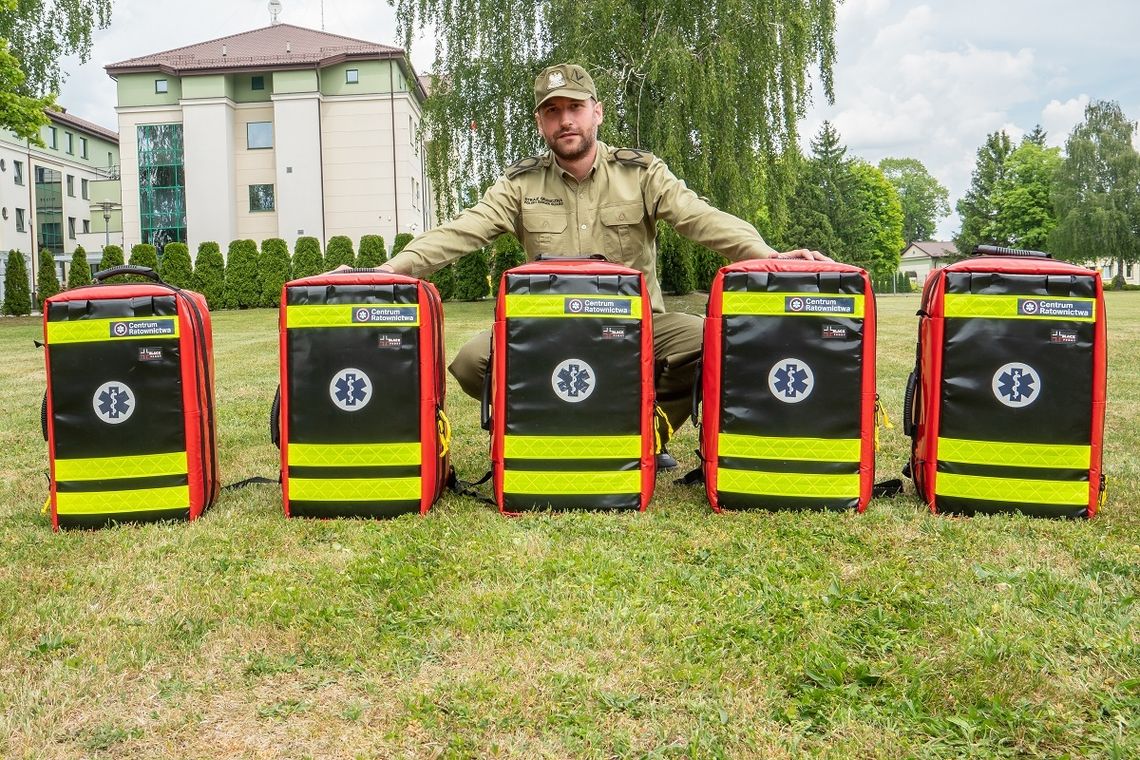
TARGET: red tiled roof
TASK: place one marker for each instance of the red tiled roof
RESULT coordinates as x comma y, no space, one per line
83,125
272,47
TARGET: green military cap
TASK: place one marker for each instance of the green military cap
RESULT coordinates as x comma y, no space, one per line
566,80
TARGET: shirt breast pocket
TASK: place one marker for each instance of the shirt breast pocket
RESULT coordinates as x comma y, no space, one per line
623,230
544,232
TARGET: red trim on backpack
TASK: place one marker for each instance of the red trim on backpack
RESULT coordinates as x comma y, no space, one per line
50,427
648,401
870,397
283,406
498,370
1099,399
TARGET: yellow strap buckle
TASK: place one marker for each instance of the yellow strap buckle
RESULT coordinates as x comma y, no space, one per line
881,418
443,425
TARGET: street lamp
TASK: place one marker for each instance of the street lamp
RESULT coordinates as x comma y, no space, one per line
106,207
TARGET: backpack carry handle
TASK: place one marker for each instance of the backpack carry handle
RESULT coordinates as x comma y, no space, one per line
485,401
591,257
997,250
697,395
126,269
908,404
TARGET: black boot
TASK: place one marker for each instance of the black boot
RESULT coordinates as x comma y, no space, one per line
665,460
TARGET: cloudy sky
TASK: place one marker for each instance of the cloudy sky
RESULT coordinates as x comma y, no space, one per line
928,80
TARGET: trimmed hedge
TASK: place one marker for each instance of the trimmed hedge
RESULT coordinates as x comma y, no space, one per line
112,257
47,281
307,259
372,251
674,261
144,255
17,294
79,273
338,252
175,269
508,253
706,263
274,265
444,281
243,282
209,274
401,242
471,276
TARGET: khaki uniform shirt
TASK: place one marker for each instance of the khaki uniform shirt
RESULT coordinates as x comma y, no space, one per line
613,211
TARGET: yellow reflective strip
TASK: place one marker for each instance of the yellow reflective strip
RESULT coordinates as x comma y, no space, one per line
972,305
354,489
1012,490
766,304
595,306
97,330
352,315
113,468
799,449
353,454
561,447
571,483
1015,454
844,486
118,502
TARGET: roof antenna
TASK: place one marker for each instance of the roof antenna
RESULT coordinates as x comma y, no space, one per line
274,12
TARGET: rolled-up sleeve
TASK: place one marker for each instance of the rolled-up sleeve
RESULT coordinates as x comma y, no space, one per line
670,199
495,213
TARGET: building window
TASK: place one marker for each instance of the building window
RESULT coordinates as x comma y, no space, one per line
352,76
53,141
70,186
257,83
70,140
49,209
259,134
19,220
71,227
18,172
84,190
160,86
260,198
162,185
83,147
86,226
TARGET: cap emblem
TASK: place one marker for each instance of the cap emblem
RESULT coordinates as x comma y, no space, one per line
556,80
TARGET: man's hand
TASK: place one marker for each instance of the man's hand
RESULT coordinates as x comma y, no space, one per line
803,253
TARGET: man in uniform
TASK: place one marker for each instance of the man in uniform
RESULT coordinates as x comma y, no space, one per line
581,198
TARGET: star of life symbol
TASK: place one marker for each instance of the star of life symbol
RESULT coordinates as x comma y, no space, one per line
350,389
796,304
120,328
556,80
1016,384
113,402
362,315
791,380
573,380
574,305
1029,307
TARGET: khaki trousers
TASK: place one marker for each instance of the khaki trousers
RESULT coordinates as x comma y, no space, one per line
676,348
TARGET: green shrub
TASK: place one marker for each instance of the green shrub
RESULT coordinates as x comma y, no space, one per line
307,260
243,282
144,255
47,281
400,242
444,281
900,283
508,253
706,263
274,267
174,268
112,257
471,274
338,252
674,261
17,294
79,273
372,252
209,274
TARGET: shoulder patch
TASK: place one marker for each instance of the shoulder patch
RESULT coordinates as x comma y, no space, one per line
525,165
632,157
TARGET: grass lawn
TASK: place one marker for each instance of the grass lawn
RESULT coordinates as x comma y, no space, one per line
674,633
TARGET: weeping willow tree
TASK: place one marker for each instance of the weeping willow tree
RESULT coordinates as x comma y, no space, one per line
715,89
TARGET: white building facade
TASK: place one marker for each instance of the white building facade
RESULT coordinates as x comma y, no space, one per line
277,132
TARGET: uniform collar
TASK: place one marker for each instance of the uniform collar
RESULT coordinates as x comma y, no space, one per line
600,155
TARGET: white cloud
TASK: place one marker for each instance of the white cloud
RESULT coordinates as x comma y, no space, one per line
1058,119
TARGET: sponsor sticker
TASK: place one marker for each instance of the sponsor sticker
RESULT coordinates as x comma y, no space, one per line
613,332
805,304
389,341
386,314
142,328
598,306
834,332
149,354
1054,307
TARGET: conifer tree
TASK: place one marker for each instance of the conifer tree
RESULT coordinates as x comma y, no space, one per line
47,281
242,282
174,269
274,266
338,252
471,276
372,252
112,257
508,253
79,273
17,295
307,259
209,274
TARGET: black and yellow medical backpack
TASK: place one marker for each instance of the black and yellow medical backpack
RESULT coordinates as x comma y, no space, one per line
360,419
569,394
129,410
787,384
1006,404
